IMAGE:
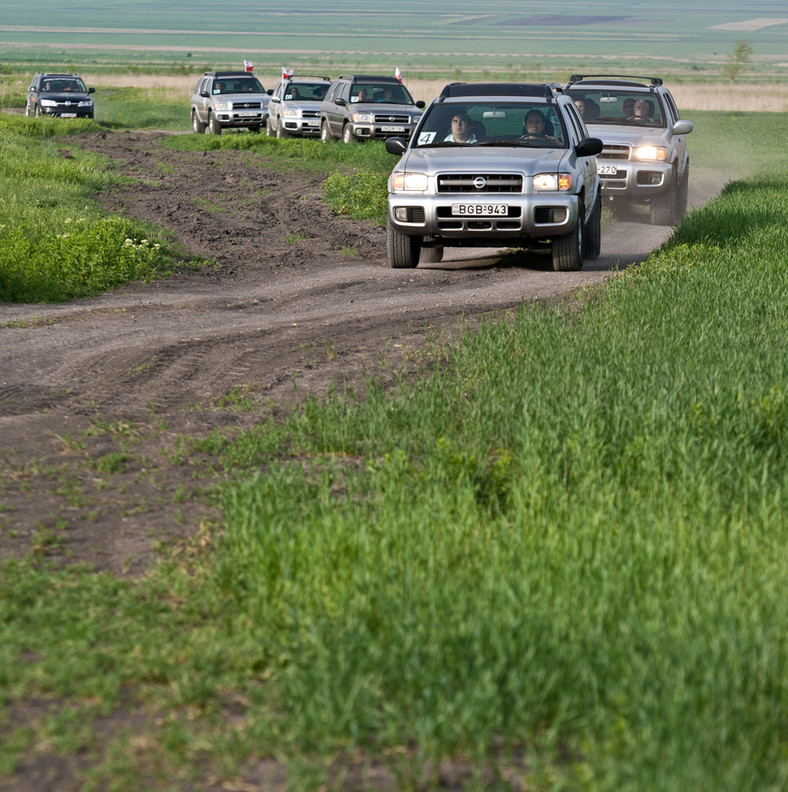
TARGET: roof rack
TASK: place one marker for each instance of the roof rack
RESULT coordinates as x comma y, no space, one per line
368,78
614,78
543,90
307,77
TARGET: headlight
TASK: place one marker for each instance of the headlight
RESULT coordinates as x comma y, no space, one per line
650,154
408,181
85,103
291,112
47,102
552,182
363,118
223,104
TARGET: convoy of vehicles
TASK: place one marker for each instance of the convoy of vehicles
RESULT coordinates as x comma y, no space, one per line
486,164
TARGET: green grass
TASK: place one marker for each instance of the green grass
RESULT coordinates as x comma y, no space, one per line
55,243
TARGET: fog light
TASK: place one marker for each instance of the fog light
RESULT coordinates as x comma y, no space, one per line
401,214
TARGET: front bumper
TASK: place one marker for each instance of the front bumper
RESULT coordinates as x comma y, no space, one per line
230,119
301,126
634,180
527,216
381,131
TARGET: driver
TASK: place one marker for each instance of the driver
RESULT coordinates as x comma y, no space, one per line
534,127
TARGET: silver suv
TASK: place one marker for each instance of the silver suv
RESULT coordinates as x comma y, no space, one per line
645,158
363,107
294,108
496,164
229,99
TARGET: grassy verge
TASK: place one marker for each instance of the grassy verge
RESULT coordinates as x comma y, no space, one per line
55,243
559,558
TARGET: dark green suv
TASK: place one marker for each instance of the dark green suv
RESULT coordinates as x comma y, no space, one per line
59,94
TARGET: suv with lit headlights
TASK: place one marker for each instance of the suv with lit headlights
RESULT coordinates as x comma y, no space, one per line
229,99
363,107
494,165
57,94
294,108
644,159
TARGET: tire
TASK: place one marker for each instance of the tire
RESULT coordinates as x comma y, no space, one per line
568,250
663,207
255,130
682,199
280,130
403,250
214,126
593,233
431,255
28,110
347,134
269,129
197,125
325,132
37,112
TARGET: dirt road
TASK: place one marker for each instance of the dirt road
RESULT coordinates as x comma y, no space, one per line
96,395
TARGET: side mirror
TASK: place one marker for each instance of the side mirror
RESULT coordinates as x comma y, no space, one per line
396,145
421,104
275,99
589,147
682,127
205,94
270,91
341,102
91,90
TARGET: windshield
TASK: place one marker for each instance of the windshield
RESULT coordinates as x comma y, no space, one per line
606,106
65,85
306,91
489,124
235,85
385,94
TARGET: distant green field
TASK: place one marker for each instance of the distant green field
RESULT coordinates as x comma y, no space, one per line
523,39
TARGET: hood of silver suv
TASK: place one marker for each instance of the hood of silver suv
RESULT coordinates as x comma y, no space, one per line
528,161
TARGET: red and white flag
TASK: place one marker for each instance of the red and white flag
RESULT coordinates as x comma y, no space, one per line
248,65
397,74
286,73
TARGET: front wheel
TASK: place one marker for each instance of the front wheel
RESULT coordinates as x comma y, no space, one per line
37,112
593,235
663,207
403,250
347,134
568,250
214,125
325,132
280,130
28,109
197,125
682,201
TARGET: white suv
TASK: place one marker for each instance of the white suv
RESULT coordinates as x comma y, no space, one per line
645,158
492,165
294,108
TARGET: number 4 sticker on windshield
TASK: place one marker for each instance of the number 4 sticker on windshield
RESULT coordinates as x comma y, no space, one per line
425,138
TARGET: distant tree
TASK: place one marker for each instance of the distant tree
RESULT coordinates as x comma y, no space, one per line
738,59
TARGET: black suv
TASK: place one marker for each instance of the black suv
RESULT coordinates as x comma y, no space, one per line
229,99
294,108
363,106
63,95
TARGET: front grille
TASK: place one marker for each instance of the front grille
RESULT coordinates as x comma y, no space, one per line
381,118
609,151
310,114
247,105
480,183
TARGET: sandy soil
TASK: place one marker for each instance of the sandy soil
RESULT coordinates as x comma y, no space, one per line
95,395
